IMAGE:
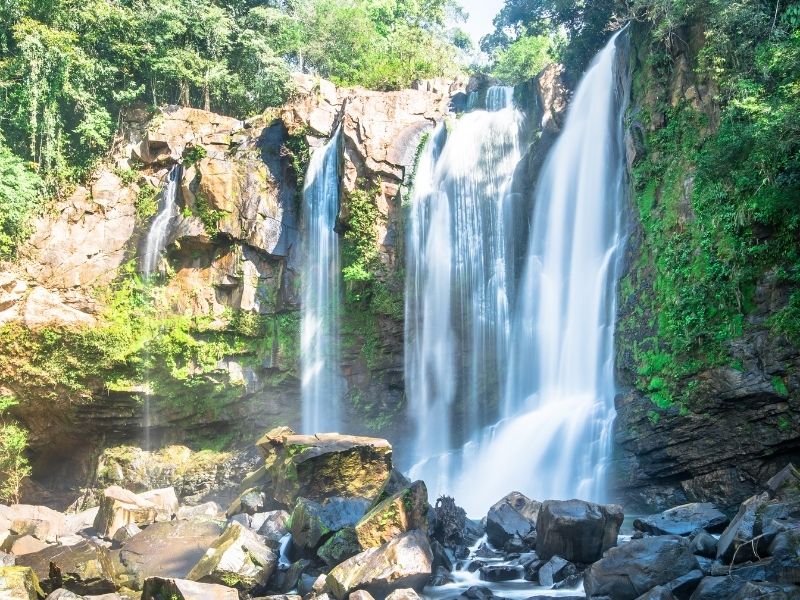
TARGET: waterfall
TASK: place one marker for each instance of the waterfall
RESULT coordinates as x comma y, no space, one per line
457,286
321,385
159,230
543,367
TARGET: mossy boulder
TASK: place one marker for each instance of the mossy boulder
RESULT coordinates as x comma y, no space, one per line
405,562
339,547
324,466
238,558
404,511
19,583
313,522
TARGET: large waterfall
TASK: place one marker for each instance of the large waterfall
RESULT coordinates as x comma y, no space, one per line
321,386
542,368
159,229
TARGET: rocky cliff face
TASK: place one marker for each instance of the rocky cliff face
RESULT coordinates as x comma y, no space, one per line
731,421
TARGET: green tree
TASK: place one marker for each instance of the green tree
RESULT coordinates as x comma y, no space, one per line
14,466
20,198
523,59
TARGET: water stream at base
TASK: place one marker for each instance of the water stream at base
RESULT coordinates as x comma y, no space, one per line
321,385
535,403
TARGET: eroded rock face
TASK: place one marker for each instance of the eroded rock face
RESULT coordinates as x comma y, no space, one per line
576,530
405,562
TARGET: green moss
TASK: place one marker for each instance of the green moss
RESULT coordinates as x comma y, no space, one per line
779,386
146,203
193,155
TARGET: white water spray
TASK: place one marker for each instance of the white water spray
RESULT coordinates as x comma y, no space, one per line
158,235
322,385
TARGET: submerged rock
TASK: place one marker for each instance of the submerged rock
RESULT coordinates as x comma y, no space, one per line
630,570
404,562
181,589
324,466
684,520
404,511
576,530
515,514
239,557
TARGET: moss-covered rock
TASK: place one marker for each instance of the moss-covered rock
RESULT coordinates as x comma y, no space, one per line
325,465
84,568
313,522
19,583
339,547
119,507
404,511
159,588
238,558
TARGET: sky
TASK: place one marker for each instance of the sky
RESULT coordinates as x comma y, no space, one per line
481,13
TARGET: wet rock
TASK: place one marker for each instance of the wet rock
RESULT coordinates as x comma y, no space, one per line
85,568
273,525
339,547
531,569
286,580
556,570
576,530
657,593
767,591
630,570
181,589
312,522
118,507
683,586
19,583
746,526
404,511
704,544
515,514
325,465
450,523
500,573
477,592
238,557
165,550
441,576
684,520
717,588
404,562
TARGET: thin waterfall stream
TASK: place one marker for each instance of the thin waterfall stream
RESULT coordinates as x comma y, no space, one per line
321,385
514,372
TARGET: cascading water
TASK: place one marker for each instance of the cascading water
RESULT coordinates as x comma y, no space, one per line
554,358
160,228
321,386
457,281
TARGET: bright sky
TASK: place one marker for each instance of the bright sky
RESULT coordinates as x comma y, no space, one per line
481,13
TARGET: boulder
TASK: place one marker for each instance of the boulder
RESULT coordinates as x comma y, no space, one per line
165,501
27,544
64,594
575,530
684,520
767,591
339,547
207,509
249,502
324,465
404,562
404,594
273,525
404,511
683,586
630,570
84,568
126,532
19,583
515,514
7,560
657,593
165,550
717,588
360,595
312,522
704,544
40,522
500,573
181,589
739,538
119,507
238,557
556,570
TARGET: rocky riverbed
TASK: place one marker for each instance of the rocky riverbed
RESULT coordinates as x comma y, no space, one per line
328,517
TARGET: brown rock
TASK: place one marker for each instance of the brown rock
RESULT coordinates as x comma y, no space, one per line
181,589
404,511
118,507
